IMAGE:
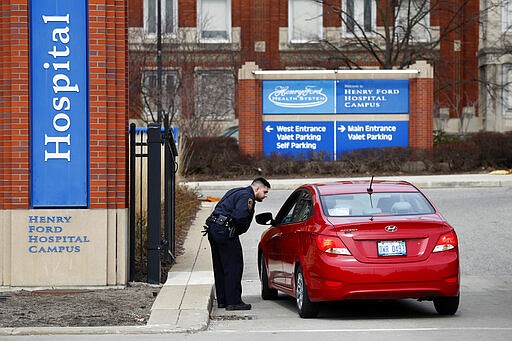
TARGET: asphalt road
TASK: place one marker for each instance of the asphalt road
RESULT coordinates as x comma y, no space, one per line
481,217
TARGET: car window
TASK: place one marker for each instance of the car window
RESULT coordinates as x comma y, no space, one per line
302,208
297,208
363,204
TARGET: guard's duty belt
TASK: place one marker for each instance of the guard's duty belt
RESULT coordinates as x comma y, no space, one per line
220,219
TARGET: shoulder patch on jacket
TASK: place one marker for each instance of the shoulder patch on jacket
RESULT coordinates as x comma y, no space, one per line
250,204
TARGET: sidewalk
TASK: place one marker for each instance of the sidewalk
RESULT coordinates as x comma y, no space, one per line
421,181
185,300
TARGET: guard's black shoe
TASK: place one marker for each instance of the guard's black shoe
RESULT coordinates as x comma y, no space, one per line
239,306
221,305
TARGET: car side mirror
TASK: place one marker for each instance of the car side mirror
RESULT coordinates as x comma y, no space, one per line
265,218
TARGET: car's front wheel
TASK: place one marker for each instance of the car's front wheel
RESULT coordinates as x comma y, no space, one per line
447,305
267,293
305,307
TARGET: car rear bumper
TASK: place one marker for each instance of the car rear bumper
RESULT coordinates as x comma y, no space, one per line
341,277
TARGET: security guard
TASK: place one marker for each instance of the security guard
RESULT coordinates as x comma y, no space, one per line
231,217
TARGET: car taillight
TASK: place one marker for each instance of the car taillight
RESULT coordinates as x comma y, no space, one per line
446,242
330,244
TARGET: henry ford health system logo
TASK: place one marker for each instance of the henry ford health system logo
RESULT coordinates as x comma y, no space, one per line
307,97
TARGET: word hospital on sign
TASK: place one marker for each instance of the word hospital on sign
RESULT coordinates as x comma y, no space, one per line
60,66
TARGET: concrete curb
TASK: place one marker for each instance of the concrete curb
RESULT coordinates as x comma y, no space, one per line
421,181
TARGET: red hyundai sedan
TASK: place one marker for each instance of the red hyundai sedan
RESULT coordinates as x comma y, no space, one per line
359,240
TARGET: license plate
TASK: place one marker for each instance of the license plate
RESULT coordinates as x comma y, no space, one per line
391,248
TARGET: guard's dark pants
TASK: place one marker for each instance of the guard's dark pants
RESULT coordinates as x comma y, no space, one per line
228,265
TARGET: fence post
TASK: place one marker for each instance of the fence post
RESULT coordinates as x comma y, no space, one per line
154,202
132,201
170,195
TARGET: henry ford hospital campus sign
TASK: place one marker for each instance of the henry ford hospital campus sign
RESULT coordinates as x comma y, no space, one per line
59,115
334,116
64,215
71,230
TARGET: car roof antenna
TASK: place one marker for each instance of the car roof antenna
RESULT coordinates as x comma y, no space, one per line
370,191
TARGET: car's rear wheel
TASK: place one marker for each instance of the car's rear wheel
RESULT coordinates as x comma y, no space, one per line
447,305
267,293
305,307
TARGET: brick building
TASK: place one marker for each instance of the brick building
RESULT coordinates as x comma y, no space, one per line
206,43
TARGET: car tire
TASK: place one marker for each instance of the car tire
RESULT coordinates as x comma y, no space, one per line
267,293
447,305
305,307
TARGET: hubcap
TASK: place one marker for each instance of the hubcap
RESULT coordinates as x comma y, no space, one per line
300,290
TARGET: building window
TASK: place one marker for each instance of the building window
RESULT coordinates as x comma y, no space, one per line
304,21
214,20
507,90
506,16
413,16
170,101
215,91
169,15
359,17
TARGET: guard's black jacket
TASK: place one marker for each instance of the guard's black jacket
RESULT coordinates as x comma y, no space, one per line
237,204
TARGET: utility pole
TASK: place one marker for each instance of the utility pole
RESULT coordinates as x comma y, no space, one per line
159,60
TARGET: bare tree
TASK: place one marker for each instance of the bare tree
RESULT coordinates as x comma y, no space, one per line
196,100
402,33
397,33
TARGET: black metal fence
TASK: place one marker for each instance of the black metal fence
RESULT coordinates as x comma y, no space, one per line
152,199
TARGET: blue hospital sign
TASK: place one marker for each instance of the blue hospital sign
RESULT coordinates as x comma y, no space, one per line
59,103
298,138
372,96
360,135
298,97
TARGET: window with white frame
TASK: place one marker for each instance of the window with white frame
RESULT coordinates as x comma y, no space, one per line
304,21
214,20
168,14
170,101
215,90
506,16
359,17
507,90
413,16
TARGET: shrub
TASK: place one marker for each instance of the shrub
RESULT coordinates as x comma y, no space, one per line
219,158
209,155
478,150
187,205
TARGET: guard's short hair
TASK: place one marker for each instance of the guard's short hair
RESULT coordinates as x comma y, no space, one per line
260,182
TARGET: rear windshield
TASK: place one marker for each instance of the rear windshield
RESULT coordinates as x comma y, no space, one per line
363,204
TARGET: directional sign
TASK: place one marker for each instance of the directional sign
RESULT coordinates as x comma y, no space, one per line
298,138
359,135
298,97
372,96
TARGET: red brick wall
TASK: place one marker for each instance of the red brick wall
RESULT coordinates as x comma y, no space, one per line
250,117
108,60
14,110
421,108
108,104
187,13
